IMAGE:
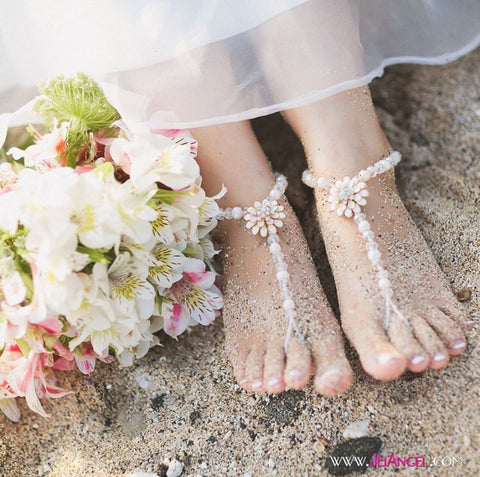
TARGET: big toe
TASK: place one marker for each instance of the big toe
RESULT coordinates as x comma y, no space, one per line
333,373
336,379
377,354
381,359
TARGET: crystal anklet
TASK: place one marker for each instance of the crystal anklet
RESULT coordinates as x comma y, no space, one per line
347,197
264,218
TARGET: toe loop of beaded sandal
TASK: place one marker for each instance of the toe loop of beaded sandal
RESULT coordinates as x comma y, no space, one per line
347,197
265,218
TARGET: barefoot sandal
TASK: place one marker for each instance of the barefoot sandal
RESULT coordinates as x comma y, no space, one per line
264,218
347,197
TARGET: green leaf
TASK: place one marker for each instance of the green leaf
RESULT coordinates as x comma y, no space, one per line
96,255
168,196
190,251
49,340
24,348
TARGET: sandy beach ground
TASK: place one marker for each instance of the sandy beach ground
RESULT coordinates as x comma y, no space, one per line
181,402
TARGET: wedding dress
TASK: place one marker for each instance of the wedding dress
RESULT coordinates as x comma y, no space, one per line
190,63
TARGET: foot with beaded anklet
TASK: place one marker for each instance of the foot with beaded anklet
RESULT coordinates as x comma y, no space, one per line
396,305
279,327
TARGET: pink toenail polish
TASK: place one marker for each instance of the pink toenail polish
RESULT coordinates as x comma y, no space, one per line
417,359
385,358
459,344
295,373
257,384
273,382
439,356
331,375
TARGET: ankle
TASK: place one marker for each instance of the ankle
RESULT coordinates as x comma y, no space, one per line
347,196
349,153
341,134
263,215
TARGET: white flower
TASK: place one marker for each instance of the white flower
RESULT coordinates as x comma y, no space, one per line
94,211
187,213
203,250
163,225
209,210
347,196
167,266
130,289
98,318
62,297
13,288
151,158
41,202
46,151
13,323
7,176
264,217
135,214
9,211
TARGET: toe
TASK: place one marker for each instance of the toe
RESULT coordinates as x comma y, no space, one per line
274,368
333,373
378,356
335,379
454,310
299,363
254,370
404,340
238,359
383,361
431,343
449,332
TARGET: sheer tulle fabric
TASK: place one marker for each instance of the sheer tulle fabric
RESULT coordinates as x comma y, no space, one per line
189,63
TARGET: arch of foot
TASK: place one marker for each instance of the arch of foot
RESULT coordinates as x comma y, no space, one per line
347,197
265,218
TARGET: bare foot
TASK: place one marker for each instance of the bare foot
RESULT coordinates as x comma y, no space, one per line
342,136
421,289
255,324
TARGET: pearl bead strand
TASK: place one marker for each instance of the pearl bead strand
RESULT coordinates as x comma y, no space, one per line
354,201
264,218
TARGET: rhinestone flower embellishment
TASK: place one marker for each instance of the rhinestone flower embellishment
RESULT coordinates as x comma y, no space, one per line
348,196
264,217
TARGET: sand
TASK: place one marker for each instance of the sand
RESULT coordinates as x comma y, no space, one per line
181,401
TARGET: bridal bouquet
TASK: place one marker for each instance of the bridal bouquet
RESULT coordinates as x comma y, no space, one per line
104,240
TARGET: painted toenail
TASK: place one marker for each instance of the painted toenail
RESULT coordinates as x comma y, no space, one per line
385,358
257,384
273,382
459,344
242,382
417,359
295,373
331,375
439,356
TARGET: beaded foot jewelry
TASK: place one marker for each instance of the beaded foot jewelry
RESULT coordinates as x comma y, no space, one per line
264,218
347,197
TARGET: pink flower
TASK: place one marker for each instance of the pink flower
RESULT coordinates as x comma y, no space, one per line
47,152
83,169
195,299
26,376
